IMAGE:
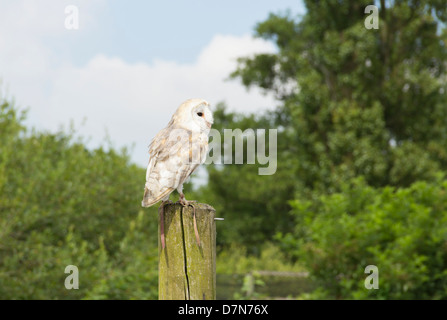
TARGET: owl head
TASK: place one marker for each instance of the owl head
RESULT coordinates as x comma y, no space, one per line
194,115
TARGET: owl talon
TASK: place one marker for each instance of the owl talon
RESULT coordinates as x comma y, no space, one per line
182,200
186,203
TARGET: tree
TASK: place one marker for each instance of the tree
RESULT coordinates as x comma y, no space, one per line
358,102
62,204
253,205
353,102
364,114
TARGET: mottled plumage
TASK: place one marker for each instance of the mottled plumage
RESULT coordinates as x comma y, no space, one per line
177,150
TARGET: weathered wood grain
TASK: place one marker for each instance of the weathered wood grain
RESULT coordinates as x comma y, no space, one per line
188,271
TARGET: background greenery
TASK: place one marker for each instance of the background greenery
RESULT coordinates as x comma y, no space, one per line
362,161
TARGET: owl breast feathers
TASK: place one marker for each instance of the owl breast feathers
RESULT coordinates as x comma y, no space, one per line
177,150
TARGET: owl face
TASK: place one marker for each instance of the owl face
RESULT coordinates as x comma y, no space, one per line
203,117
194,115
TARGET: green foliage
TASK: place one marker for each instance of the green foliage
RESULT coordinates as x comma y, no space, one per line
249,202
361,154
363,102
354,103
248,290
236,260
133,274
401,231
61,204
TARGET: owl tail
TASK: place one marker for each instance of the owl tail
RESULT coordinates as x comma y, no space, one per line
147,201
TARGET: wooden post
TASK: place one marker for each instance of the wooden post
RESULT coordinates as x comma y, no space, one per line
185,270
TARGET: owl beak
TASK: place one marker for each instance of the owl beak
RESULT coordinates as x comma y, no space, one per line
208,124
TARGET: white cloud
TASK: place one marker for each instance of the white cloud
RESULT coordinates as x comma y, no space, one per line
27,63
132,100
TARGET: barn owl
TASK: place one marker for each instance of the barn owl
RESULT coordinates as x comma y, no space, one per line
174,154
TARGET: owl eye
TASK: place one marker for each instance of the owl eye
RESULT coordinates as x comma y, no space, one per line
200,114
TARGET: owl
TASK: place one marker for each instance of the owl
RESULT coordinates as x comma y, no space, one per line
175,152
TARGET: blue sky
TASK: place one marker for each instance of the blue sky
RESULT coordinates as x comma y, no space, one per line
131,63
173,30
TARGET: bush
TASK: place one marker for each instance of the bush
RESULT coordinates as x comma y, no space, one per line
236,260
62,204
401,231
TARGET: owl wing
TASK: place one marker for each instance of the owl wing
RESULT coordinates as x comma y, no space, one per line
171,163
